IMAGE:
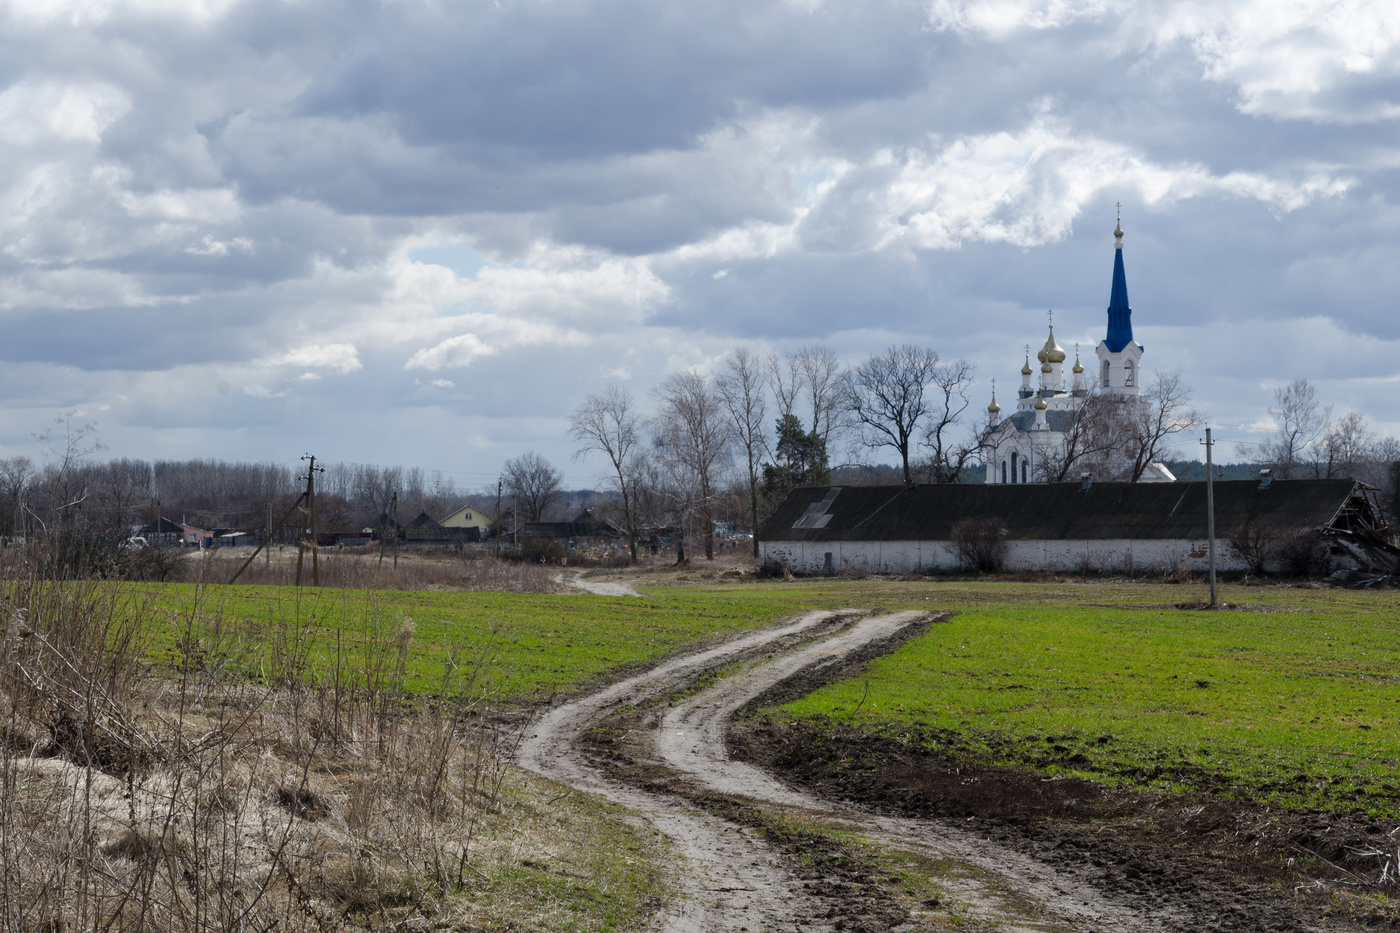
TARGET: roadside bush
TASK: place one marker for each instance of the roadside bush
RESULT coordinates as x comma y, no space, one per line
980,544
541,550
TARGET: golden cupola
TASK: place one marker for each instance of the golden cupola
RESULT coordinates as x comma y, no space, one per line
1052,352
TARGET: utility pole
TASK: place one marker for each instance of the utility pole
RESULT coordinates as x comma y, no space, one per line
394,522
308,534
268,556
498,519
1210,519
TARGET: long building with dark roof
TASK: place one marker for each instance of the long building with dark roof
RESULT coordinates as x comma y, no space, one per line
1072,526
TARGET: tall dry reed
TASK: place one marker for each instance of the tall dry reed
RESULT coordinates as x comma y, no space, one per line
188,800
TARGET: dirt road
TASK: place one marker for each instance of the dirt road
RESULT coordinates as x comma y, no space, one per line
735,879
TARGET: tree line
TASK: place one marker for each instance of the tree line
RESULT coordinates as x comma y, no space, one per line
725,445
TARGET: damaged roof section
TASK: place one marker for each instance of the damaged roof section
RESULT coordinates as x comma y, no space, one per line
1342,508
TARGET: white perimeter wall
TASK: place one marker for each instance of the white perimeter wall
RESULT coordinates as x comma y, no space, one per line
913,556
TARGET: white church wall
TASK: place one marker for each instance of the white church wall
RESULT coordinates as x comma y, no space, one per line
1064,556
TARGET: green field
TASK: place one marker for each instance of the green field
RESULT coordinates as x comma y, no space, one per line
526,645
1296,699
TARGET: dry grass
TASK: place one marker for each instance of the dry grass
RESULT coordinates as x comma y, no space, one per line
360,568
196,802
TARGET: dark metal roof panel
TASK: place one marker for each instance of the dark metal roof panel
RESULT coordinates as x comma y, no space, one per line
1060,511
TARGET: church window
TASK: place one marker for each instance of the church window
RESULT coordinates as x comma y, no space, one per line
1023,469
1003,471
1013,466
1105,374
1128,373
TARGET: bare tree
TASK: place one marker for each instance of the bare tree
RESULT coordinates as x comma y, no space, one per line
694,435
1090,432
16,475
947,455
821,378
1300,421
66,447
1157,416
741,389
532,482
609,424
785,379
885,394
1346,449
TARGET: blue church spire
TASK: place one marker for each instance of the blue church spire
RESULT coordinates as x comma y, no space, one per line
1120,316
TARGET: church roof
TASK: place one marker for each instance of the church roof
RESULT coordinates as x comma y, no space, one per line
1059,511
1120,315
1057,420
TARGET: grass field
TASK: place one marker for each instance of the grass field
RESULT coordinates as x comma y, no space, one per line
531,644
1295,699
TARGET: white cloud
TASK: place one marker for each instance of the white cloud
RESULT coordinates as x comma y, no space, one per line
212,247
1000,18
341,357
37,109
452,353
1027,187
1284,56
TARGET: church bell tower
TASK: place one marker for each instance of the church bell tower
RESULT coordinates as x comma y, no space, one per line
1120,357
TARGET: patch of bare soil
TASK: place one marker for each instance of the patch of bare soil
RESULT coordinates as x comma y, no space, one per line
1212,863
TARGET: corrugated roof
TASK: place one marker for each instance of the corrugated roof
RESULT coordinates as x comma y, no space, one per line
1058,511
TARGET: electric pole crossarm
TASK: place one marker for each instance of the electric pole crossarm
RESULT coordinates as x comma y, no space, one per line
268,539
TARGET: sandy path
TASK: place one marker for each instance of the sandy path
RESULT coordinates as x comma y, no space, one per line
598,588
692,739
733,880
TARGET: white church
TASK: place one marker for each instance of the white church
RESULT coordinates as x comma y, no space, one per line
1018,444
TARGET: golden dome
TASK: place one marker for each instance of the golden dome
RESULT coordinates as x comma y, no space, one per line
1051,352
1026,370
994,408
1045,367
1118,230
1077,368
1040,403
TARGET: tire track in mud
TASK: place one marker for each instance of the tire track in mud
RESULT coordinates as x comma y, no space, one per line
734,878
732,881
999,880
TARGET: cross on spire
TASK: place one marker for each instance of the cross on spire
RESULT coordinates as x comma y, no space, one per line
1051,312
1119,206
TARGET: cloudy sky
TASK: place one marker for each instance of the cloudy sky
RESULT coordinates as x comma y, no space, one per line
416,231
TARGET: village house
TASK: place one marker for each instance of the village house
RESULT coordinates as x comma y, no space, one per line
469,516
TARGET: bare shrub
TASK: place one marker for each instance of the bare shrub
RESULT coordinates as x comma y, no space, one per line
1300,553
980,544
1254,545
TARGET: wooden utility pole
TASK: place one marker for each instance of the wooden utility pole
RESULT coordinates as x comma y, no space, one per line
498,519
394,522
268,556
1210,519
290,512
307,538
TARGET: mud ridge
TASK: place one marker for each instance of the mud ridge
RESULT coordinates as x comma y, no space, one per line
1216,863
